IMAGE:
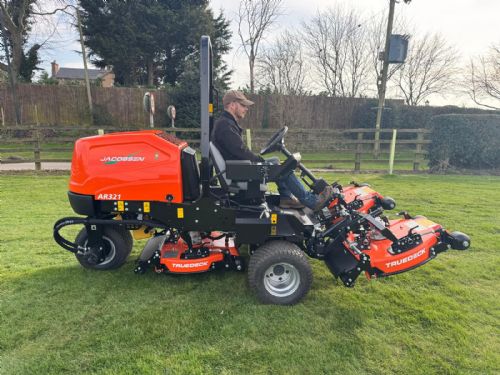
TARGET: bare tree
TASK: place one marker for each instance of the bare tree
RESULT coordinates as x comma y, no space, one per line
337,46
255,17
282,67
357,67
430,68
16,20
484,79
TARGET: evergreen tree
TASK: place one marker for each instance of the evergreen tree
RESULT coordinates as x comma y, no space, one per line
147,42
29,63
221,43
45,79
186,94
156,43
118,35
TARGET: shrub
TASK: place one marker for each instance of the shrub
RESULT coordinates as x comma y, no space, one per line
101,116
394,116
464,141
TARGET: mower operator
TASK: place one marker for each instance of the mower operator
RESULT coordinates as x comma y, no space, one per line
226,136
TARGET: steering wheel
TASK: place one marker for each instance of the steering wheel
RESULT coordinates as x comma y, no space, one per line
275,140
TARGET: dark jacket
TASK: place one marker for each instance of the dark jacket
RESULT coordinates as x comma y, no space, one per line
226,136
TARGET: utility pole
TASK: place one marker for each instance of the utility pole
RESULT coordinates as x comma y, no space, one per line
383,79
85,68
12,78
382,82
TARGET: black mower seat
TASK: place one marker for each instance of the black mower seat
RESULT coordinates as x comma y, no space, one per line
220,168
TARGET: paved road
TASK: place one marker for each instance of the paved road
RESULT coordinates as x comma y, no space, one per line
31,166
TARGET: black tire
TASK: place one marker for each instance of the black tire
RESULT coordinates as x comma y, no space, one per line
127,236
279,273
118,244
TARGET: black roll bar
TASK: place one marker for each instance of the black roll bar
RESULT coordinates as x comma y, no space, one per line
207,110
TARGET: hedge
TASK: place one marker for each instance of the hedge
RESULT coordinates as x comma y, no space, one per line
464,141
399,116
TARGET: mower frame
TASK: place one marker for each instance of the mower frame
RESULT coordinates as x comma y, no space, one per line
280,237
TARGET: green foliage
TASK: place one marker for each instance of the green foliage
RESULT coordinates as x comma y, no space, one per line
118,33
29,62
221,34
45,79
96,82
465,141
185,95
58,318
149,42
395,115
153,43
399,116
101,116
18,19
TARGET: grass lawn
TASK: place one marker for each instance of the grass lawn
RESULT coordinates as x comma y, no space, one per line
442,318
368,163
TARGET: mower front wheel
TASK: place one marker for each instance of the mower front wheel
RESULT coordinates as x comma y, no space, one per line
279,273
118,244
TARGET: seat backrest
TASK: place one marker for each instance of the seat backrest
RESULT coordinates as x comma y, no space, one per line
226,183
220,166
190,175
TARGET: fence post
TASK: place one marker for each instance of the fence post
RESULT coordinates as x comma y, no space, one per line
359,149
3,118
418,150
249,139
38,164
393,150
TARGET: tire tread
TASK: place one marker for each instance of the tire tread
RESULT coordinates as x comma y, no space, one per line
272,251
123,247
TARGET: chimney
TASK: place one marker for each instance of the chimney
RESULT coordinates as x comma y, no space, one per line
55,68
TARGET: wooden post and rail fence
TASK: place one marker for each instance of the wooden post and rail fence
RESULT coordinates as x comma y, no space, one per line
41,143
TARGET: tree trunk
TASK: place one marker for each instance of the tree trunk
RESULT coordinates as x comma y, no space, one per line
251,62
16,46
151,75
13,80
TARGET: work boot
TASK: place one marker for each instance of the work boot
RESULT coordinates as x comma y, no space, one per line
290,202
324,198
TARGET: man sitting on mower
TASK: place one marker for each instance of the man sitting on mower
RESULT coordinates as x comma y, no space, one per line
226,136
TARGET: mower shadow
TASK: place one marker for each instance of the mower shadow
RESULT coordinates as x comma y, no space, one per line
214,290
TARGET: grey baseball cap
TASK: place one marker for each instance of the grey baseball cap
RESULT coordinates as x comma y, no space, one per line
235,96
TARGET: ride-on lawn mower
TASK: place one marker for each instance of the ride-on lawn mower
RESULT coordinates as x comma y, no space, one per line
150,183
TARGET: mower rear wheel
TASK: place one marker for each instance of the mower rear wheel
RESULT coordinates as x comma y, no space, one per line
279,273
118,244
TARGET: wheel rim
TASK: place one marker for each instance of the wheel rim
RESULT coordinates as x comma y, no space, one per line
109,250
281,279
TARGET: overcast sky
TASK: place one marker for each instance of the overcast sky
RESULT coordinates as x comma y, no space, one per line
470,25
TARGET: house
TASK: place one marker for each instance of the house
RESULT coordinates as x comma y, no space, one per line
73,76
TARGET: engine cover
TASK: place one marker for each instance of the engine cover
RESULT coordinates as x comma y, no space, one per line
141,165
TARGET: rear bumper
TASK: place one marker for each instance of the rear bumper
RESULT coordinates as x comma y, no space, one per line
82,204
